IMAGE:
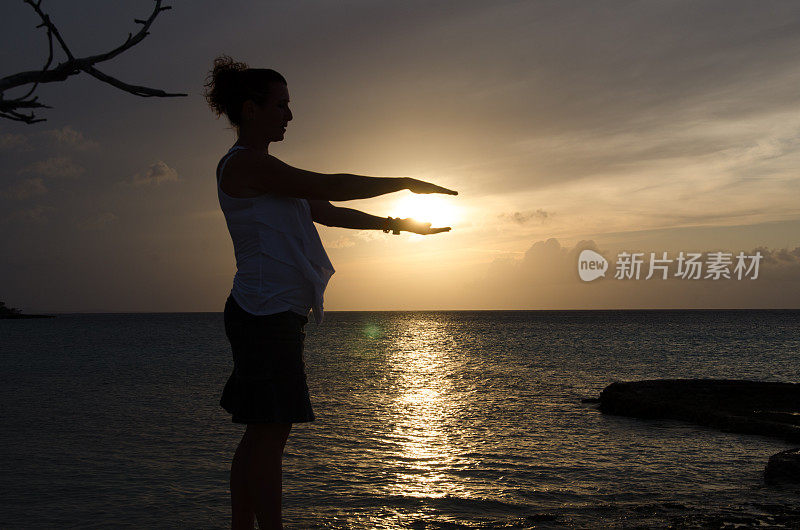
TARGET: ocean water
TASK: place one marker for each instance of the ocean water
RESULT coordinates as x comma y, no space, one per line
425,420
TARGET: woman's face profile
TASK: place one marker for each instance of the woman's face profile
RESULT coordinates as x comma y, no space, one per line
272,117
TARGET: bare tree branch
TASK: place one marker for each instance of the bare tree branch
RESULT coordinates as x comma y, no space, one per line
72,66
133,89
51,28
49,57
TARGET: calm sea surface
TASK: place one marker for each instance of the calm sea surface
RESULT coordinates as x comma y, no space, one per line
428,420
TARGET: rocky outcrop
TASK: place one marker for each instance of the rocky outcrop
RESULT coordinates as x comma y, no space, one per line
730,405
783,467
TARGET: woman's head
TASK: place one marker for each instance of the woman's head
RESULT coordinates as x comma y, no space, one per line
252,98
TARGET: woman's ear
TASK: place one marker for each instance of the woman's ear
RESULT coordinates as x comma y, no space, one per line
248,109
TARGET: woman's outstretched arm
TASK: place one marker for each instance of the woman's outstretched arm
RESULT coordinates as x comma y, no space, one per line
327,214
268,174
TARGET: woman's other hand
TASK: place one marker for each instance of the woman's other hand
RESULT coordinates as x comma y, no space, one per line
418,227
420,186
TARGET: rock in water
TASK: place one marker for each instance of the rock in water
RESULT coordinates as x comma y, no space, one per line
731,405
741,406
783,467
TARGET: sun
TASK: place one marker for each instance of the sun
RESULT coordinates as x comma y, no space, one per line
435,209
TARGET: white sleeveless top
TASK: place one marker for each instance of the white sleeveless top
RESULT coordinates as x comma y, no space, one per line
280,261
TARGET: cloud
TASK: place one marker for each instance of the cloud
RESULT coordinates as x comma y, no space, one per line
25,188
69,137
603,90
548,262
780,264
351,239
546,278
369,235
545,262
14,142
35,215
523,217
97,221
154,175
53,167
342,242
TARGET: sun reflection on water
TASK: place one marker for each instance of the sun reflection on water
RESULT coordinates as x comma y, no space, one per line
422,411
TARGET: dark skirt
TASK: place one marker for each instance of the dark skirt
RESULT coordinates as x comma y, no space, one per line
268,383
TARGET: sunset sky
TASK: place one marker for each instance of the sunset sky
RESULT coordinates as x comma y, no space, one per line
618,126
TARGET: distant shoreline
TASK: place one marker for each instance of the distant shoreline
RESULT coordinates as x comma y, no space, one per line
26,316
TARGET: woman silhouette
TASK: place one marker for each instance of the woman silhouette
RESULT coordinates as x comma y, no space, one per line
282,271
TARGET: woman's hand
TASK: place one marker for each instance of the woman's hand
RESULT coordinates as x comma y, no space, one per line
418,227
420,186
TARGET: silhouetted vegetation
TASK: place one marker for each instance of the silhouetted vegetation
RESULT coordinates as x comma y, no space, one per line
13,312
7,311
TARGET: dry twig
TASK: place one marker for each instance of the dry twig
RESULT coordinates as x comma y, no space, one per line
72,66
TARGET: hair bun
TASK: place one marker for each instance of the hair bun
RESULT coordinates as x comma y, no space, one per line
221,82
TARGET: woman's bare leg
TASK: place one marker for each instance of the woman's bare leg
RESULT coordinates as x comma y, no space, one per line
243,516
256,476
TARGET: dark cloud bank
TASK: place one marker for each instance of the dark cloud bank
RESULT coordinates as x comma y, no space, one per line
547,278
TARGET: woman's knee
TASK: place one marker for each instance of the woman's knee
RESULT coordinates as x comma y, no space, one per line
268,430
269,436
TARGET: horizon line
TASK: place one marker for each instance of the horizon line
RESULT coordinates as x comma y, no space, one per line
430,310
